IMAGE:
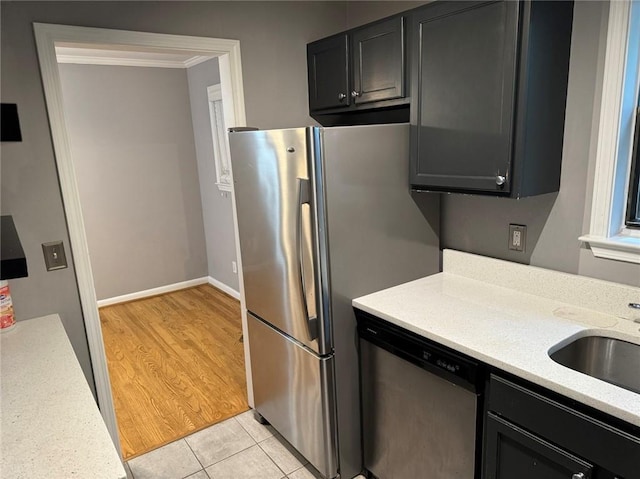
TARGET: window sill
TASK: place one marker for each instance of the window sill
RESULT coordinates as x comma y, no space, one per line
620,248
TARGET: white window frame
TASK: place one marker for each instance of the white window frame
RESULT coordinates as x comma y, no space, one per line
608,237
220,138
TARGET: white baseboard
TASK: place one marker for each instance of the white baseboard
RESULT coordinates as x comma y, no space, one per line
154,291
223,287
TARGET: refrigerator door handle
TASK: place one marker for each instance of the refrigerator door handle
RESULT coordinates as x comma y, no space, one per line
304,195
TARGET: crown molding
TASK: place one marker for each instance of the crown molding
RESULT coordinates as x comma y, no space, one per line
83,56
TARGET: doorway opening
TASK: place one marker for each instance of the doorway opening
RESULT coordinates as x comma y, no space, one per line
144,45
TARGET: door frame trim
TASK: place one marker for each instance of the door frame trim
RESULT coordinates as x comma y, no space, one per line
47,35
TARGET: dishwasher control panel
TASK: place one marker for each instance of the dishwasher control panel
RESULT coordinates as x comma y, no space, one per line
427,354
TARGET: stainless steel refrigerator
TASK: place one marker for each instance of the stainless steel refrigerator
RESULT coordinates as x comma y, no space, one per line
324,215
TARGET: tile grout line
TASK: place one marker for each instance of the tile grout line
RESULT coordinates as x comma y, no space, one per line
235,454
255,443
128,467
275,434
247,430
278,436
270,458
194,455
174,442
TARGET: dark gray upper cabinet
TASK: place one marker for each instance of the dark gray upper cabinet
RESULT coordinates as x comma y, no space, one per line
488,94
328,69
354,74
378,61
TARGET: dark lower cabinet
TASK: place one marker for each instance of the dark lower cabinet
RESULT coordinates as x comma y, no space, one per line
529,434
513,452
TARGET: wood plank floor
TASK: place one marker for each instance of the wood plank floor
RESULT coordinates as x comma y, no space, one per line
176,364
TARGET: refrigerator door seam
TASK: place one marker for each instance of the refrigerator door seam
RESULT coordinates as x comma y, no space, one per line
321,250
291,338
315,154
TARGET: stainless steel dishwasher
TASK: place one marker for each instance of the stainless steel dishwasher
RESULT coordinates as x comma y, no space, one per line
421,405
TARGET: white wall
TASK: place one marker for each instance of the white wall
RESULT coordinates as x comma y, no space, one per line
133,151
216,205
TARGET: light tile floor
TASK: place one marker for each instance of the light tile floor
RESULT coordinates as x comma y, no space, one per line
238,448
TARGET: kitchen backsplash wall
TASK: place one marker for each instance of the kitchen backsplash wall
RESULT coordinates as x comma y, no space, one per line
554,222
135,160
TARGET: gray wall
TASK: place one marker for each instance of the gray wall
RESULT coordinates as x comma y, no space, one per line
273,37
361,12
555,221
216,205
133,151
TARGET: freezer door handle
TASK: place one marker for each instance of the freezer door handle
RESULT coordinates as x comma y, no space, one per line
303,244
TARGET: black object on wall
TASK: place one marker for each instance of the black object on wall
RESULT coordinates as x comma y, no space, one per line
13,263
9,122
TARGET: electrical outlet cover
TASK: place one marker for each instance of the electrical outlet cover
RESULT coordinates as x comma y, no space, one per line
517,237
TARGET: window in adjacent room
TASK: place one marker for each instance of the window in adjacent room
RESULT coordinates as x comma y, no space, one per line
220,138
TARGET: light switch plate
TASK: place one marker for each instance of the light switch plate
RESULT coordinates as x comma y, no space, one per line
54,256
517,237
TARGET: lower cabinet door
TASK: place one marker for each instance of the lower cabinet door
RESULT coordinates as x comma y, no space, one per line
512,452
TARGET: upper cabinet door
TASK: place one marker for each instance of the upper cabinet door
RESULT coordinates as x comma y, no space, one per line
463,94
328,69
378,61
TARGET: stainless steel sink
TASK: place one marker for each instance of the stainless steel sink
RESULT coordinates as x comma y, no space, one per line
612,360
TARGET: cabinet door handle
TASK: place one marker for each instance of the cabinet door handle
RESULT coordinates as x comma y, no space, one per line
578,475
341,96
355,94
500,180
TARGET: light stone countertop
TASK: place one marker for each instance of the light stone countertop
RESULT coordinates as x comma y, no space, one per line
50,423
511,316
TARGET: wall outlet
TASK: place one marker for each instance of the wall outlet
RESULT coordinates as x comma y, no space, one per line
54,256
234,267
517,237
